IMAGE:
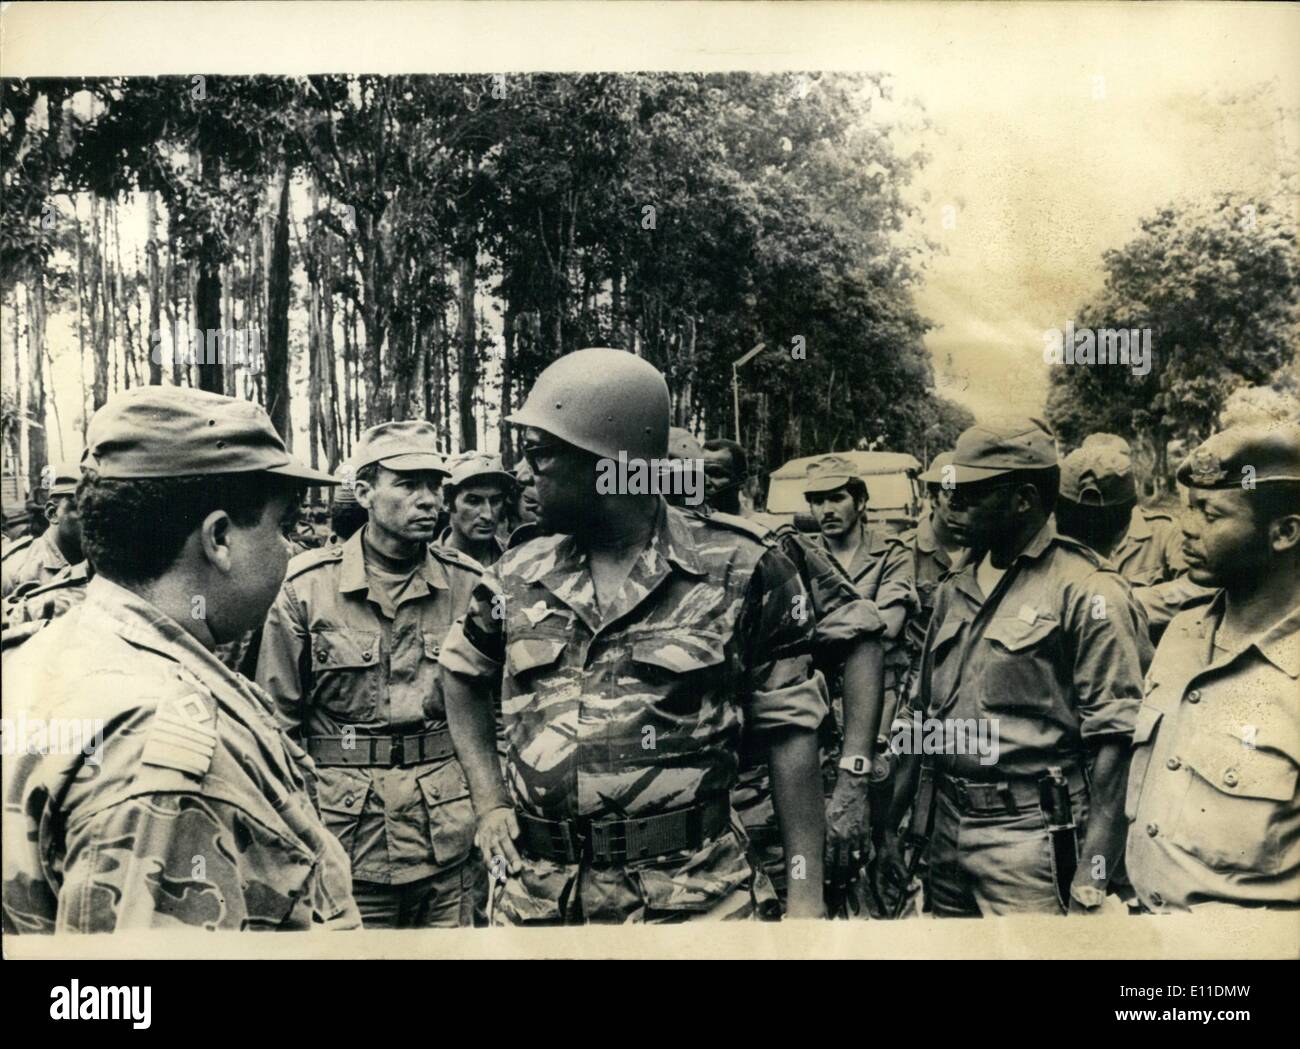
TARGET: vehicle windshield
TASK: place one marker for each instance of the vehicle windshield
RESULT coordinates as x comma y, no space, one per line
884,492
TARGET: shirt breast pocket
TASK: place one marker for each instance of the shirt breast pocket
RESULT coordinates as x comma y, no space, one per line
1240,790
1019,663
533,666
346,672
681,669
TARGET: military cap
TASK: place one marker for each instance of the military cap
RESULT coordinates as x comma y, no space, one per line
1258,453
1098,475
344,495
176,431
408,445
827,474
63,479
683,445
934,475
991,449
469,465
1103,440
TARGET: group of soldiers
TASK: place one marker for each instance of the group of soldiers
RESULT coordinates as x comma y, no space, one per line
510,697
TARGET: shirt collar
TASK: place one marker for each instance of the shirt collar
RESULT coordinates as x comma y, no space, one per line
352,570
1279,643
141,623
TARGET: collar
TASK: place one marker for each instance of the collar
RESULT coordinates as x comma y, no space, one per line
352,568
53,556
120,611
1279,643
1139,528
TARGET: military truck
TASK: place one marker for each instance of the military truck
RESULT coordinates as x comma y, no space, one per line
893,493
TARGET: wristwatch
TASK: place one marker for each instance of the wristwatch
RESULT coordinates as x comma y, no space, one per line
1088,896
858,764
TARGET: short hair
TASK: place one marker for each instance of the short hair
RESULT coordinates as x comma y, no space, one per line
1270,500
113,512
739,461
368,473
450,491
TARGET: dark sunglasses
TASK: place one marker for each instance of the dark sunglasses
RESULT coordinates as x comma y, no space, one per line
542,451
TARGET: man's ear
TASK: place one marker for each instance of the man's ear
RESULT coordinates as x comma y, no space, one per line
363,491
52,508
214,539
1284,533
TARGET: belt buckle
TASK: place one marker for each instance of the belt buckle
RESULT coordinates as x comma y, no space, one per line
396,752
566,838
607,839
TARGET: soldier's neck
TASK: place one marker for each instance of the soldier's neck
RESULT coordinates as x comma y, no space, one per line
180,600
623,529
384,546
1252,606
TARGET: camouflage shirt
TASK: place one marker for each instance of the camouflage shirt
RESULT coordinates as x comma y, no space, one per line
29,563
636,708
153,788
335,662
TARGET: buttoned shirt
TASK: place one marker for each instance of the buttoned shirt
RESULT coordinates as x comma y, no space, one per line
178,801
337,663
1055,654
1212,791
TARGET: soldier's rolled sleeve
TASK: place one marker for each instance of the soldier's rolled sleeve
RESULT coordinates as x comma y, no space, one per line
783,691
1111,655
898,580
279,660
848,623
475,645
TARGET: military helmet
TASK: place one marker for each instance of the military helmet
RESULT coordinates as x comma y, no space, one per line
603,401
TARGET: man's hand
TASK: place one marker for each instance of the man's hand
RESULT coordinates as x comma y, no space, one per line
848,828
495,837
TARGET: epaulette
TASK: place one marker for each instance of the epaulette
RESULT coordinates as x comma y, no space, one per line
1091,555
309,559
451,556
183,734
21,543
1156,515
73,575
754,530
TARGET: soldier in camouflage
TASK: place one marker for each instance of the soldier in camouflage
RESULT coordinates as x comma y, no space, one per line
179,802
629,646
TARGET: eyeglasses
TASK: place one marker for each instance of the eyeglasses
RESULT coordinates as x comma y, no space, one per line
961,496
541,452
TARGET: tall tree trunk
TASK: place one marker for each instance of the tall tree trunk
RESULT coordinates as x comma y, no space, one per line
277,309
172,306
81,320
37,435
506,438
207,290
466,345
98,310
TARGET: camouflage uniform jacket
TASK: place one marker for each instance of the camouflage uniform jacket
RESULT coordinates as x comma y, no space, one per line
335,663
43,603
1214,786
1055,654
636,708
191,808
1150,557
29,563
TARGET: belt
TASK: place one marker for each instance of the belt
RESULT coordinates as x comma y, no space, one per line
385,752
1009,797
611,843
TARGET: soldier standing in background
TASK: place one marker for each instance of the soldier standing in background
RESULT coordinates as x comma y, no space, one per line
1212,793
190,807
628,647
349,655
31,562
1098,506
475,496
346,515
1037,638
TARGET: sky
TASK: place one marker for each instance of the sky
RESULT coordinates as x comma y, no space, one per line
1053,128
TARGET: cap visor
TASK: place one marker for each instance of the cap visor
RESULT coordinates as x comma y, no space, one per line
414,461
970,474
299,472
828,485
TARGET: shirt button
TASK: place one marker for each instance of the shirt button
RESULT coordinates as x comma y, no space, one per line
349,801
365,656
1230,778
1157,899
322,655
434,792
1152,830
1194,696
1173,764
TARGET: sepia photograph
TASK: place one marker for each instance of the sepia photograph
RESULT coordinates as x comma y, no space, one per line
522,480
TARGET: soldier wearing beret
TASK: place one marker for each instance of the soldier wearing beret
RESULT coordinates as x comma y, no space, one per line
31,562
1212,795
628,647
1098,506
1035,637
476,493
153,787
349,655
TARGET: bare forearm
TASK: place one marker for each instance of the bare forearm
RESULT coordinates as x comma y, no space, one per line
1104,840
863,695
473,734
797,796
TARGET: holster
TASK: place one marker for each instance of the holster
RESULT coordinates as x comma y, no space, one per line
919,828
1058,814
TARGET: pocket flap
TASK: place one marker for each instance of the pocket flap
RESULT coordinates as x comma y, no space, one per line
529,653
1147,720
444,784
342,791
1015,634
679,652
338,649
1230,766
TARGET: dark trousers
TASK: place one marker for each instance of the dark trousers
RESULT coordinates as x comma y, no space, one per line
444,901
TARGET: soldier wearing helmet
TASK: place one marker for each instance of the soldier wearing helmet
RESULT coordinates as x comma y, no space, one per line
628,647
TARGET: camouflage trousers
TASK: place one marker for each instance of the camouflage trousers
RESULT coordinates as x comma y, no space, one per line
715,883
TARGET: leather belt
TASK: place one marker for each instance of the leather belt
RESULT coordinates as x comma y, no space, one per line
1010,797
611,843
385,752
